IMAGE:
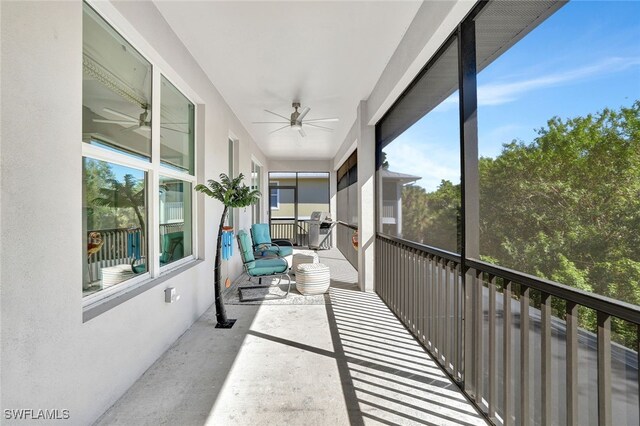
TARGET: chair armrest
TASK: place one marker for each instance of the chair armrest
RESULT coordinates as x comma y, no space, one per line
278,243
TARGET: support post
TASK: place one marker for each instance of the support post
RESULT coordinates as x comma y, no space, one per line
470,186
366,199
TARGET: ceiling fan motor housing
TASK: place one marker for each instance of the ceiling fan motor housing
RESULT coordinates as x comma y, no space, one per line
295,124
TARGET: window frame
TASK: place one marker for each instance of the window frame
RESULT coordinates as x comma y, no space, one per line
153,168
255,166
275,183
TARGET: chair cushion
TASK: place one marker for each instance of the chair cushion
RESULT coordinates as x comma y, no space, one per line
172,247
273,250
246,250
267,267
260,233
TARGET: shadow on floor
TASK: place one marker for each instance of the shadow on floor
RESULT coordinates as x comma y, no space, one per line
387,376
349,362
183,384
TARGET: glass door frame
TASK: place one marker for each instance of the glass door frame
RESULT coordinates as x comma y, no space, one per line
295,207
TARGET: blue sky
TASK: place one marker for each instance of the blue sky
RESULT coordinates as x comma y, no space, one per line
580,60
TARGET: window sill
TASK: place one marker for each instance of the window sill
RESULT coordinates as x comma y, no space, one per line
103,305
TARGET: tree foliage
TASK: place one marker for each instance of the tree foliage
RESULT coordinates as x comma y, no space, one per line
565,207
128,194
432,218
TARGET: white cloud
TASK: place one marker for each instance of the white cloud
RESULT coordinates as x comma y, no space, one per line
431,163
501,93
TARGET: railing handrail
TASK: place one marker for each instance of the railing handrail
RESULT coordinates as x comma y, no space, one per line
354,227
423,247
114,229
613,307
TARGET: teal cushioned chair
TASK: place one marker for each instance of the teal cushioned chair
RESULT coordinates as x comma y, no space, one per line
263,245
172,247
260,268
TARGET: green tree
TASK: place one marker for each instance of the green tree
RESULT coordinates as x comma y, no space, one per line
565,206
432,218
128,194
96,175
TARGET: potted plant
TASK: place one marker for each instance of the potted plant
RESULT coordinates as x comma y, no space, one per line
232,193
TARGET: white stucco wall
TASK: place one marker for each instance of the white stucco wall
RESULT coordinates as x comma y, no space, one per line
433,23
49,357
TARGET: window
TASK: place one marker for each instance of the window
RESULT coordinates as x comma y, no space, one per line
347,178
419,173
176,129
313,193
116,91
123,240
256,183
115,223
274,196
175,220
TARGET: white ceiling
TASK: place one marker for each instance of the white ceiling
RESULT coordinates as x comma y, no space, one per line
264,55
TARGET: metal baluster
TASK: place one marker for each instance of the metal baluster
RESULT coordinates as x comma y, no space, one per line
447,329
436,308
524,354
401,274
396,293
506,355
468,356
479,324
492,348
425,298
545,370
412,299
419,297
432,310
456,322
604,369
572,363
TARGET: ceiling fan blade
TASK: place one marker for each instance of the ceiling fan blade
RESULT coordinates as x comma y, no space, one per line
321,120
121,115
278,115
270,122
283,127
128,129
124,123
302,132
319,127
304,112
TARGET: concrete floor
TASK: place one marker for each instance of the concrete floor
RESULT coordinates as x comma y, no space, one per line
350,362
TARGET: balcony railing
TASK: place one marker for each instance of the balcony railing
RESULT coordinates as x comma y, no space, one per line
120,245
344,234
389,208
288,229
513,342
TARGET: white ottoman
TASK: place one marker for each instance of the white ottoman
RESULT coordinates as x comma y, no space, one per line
303,257
313,278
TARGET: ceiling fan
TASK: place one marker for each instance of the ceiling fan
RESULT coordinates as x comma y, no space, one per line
296,120
135,123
